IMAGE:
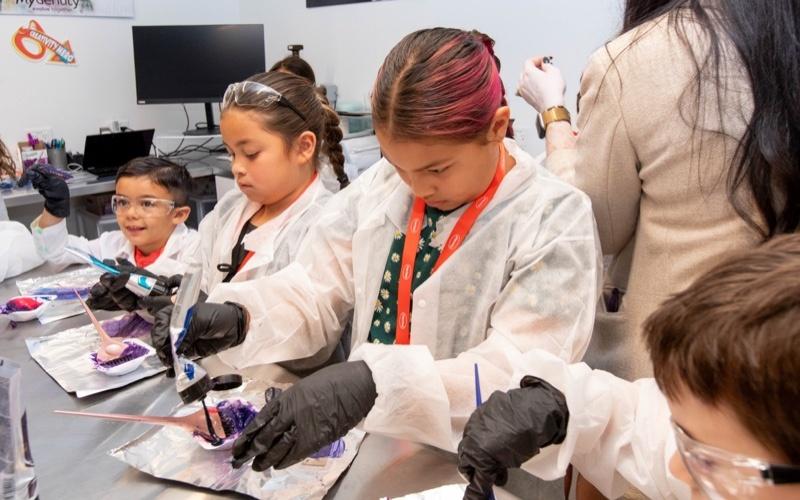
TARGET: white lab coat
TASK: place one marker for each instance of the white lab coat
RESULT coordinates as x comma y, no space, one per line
527,277
17,251
181,248
275,243
618,433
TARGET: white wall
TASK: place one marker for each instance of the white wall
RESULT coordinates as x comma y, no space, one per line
76,101
346,44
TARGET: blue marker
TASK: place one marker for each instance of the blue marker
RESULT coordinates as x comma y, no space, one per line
191,380
137,283
478,399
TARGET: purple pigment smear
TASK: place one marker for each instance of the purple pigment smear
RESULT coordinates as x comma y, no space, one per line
234,415
61,293
334,450
129,326
132,351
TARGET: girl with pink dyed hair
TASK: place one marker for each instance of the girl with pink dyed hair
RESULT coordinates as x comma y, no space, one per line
497,256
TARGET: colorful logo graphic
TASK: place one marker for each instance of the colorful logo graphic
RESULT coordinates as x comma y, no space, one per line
34,44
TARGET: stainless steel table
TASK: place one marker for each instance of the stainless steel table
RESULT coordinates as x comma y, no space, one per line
71,453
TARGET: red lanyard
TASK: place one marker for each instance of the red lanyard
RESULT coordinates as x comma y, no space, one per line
454,241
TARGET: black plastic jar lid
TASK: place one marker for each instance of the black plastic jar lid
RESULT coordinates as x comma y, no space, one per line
226,382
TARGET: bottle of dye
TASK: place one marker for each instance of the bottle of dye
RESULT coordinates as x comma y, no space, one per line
191,380
17,476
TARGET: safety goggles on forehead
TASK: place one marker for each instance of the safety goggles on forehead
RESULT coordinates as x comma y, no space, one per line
724,475
241,94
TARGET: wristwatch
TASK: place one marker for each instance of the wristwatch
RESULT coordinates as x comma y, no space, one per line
550,115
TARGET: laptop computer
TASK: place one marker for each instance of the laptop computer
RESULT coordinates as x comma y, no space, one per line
103,154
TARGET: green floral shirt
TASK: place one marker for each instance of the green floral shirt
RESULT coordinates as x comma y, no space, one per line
384,320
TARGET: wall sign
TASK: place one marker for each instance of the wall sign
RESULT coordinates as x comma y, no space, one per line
33,43
326,3
93,8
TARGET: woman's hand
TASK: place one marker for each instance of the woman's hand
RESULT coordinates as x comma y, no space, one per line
541,84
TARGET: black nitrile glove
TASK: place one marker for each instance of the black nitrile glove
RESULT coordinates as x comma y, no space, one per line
101,294
507,431
111,294
54,190
213,328
314,412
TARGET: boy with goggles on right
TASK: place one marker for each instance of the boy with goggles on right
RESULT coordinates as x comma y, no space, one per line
721,416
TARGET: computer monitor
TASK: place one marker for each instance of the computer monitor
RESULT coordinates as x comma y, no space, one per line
103,154
186,64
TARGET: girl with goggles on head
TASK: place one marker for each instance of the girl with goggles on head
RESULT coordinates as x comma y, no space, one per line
283,138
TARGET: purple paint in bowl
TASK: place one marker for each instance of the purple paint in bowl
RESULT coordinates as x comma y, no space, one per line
129,326
235,415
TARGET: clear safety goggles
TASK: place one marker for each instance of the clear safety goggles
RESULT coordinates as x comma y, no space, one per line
724,475
241,94
149,207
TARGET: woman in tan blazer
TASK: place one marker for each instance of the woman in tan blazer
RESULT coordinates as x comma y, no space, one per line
674,151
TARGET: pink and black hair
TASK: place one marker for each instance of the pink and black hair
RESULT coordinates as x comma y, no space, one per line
439,83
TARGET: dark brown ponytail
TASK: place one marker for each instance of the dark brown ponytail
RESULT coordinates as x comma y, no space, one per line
332,142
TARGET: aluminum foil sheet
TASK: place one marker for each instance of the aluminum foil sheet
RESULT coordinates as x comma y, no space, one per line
17,477
171,453
65,357
449,492
83,277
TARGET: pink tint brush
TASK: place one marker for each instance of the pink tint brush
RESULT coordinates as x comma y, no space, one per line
214,428
194,422
110,349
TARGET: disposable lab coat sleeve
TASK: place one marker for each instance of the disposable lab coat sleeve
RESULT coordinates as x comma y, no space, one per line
17,252
293,313
618,433
51,242
546,304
